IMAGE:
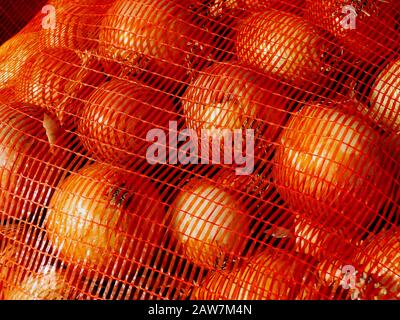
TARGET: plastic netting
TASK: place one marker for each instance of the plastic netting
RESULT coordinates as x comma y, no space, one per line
216,149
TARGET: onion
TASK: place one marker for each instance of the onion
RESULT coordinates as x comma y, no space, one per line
385,98
209,223
76,25
379,258
13,54
57,80
26,271
330,167
117,117
220,7
48,284
30,166
155,35
374,34
104,220
269,276
229,96
320,242
282,44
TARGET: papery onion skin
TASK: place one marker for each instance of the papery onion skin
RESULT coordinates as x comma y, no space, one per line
321,242
330,167
221,7
28,267
104,220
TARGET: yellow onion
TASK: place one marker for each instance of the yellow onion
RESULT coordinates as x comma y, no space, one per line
282,44
329,166
210,224
268,276
105,220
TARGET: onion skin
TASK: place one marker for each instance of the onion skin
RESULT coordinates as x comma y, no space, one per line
57,80
117,117
104,220
385,98
379,258
327,165
229,96
13,54
155,35
30,167
295,52
269,276
209,223
375,34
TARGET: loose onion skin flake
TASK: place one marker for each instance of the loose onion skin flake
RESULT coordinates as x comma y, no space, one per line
158,36
30,165
209,224
106,221
118,116
282,44
58,80
330,166
268,276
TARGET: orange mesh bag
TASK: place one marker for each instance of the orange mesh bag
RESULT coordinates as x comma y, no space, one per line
200,149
